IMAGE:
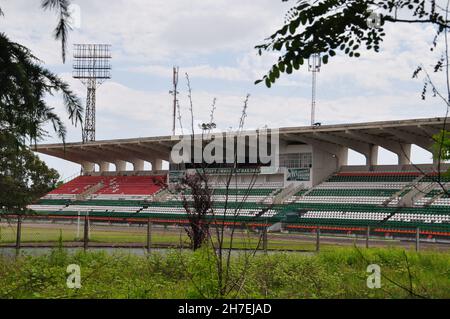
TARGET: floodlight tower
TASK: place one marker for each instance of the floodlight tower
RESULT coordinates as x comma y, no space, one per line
314,65
93,67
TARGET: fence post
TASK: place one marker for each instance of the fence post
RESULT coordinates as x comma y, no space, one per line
18,233
89,227
86,232
149,235
417,239
367,236
78,226
265,239
317,238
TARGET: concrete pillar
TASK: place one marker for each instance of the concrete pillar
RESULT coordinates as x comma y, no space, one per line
120,165
404,157
157,164
104,167
88,167
138,165
372,159
343,157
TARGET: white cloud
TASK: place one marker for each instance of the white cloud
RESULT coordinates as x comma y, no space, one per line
213,41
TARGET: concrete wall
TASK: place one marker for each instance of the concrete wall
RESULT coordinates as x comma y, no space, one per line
325,164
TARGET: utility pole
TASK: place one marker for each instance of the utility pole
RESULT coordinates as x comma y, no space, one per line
174,92
314,65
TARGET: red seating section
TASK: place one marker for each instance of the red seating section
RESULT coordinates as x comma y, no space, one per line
127,185
132,185
78,185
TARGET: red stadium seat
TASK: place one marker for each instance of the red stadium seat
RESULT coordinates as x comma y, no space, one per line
120,185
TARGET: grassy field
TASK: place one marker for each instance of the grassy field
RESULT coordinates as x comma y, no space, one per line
137,236
341,273
51,234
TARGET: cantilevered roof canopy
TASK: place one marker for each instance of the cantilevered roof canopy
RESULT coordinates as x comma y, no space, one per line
395,136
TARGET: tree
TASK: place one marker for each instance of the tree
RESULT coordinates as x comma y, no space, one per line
63,26
24,86
23,176
331,26
196,186
214,227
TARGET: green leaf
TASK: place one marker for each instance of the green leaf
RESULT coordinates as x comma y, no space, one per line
293,26
289,69
276,72
325,59
278,45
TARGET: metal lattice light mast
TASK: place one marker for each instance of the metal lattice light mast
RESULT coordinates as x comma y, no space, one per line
314,64
174,92
93,67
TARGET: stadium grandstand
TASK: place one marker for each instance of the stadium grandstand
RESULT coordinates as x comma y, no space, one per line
311,186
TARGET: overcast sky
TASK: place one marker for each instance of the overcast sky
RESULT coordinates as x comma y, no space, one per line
213,40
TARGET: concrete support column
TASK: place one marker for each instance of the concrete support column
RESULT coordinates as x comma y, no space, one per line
404,157
138,165
88,167
120,165
372,159
157,164
342,157
104,167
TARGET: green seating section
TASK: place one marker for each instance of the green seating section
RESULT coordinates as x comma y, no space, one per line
301,192
444,178
435,192
353,192
54,202
241,192
373,178
366,208
291,212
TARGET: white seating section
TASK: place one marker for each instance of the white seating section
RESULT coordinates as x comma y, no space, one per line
120,197
343,199
424,218
346,215
60,196
91,208
361,185
235,185
217,211
46,208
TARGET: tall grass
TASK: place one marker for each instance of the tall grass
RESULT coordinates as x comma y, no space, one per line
340,273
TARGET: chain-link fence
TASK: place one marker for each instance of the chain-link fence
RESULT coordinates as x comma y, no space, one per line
86,231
